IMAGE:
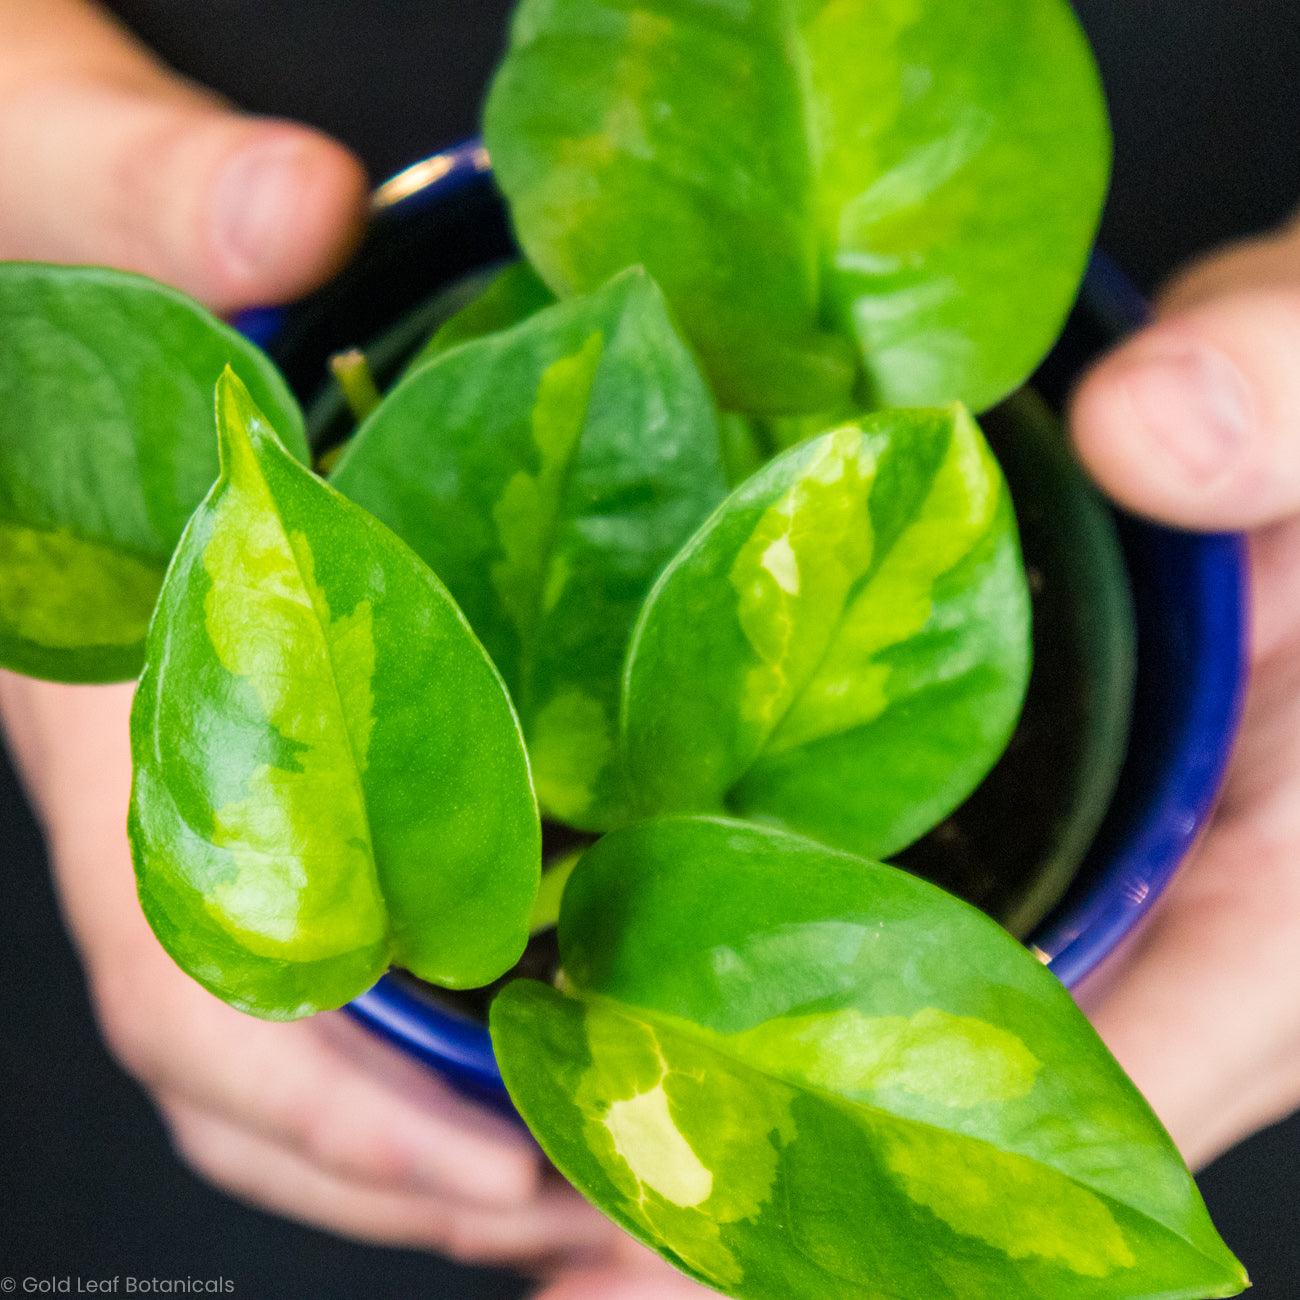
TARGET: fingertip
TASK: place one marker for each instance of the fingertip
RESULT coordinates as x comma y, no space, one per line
1166,426
1101,421
287,206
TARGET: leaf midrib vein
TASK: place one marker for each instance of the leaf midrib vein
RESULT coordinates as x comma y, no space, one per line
530,640
341,713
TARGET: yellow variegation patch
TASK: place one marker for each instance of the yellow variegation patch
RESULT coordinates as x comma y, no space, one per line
264,597
796,571
675,1129
526,578
571,741
850,686
60,591
654,1149
1017,1205
956,1061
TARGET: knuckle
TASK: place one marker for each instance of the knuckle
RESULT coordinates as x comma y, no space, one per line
192,1142
126,1026
316,1133
1278,306
331,1137
464,1240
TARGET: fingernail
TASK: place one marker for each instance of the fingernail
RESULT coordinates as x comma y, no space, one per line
1194,404
256,195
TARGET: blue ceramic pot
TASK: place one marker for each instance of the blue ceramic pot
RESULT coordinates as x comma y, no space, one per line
444,217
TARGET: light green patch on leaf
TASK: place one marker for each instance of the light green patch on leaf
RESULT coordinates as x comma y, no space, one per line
526,515
668,1122
851,685
766,1065
547,473
652,1147
106,385
58,592
572,744
645,1136
853,618
329,777
1009,1202
907,190
263,578
957,1061
807,551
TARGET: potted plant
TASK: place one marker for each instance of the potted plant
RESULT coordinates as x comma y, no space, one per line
707,563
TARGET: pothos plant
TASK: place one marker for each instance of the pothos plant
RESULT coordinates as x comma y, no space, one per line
682,535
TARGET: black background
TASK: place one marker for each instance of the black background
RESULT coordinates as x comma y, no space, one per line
1206,103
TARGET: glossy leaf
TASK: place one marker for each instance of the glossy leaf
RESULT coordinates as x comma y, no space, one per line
842,649
328,773
797,1074
923,179
105,449
547,474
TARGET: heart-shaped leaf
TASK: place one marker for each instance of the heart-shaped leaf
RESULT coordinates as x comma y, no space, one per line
547,474
924,179
329,776
797,1074
842,649
105,449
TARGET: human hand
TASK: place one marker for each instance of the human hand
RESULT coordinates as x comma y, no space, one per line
315,1120
107,157
1196,422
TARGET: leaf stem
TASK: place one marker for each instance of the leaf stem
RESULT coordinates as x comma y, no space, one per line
352,371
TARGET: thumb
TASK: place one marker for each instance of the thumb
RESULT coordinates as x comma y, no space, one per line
1196,420
106,157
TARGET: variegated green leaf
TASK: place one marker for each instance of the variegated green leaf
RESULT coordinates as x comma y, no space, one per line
921,179
842,650
105,449
329,776
797,1074
547,474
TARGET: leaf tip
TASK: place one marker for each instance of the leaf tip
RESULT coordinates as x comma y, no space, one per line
241,426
